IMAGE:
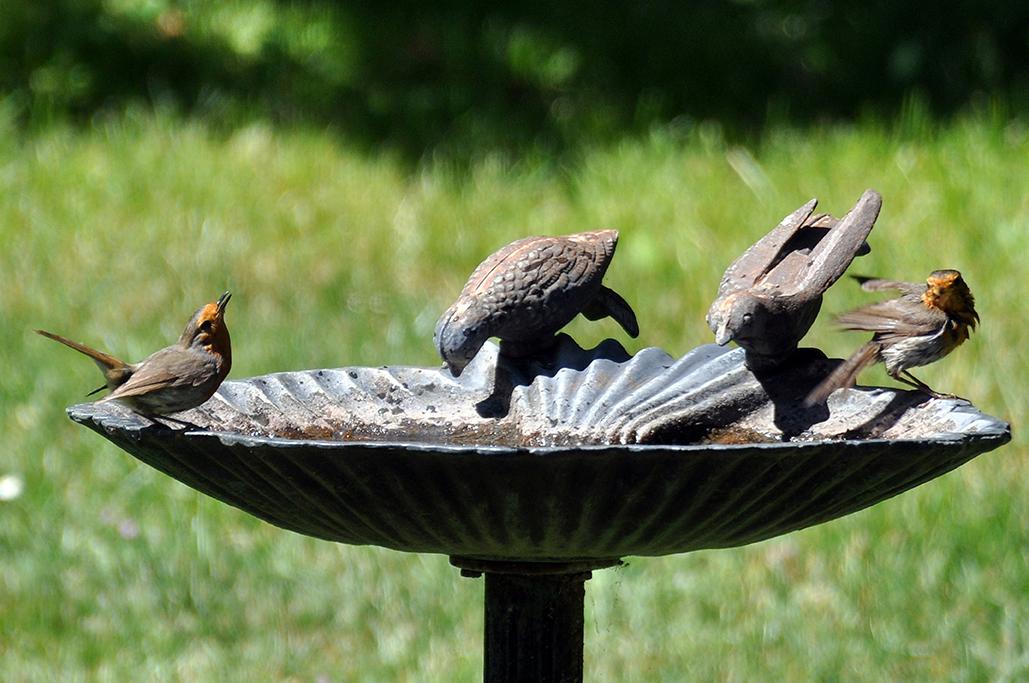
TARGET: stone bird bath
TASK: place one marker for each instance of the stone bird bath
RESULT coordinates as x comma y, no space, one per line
536,472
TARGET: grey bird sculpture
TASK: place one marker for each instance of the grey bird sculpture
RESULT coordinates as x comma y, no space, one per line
770,296
525,292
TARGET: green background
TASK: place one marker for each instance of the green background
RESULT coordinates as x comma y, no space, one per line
342,242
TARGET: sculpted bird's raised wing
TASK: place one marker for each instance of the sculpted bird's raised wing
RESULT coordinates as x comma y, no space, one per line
763,254
808,274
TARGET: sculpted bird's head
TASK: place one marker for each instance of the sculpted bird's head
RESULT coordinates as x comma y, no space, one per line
460,333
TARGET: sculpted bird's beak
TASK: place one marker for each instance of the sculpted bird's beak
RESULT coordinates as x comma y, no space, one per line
722,335
456,367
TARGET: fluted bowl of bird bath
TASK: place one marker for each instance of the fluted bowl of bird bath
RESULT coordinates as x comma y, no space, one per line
540,470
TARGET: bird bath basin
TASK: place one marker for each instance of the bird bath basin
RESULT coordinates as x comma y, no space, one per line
535,472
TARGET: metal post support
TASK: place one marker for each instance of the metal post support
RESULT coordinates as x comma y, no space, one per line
533,619
534,628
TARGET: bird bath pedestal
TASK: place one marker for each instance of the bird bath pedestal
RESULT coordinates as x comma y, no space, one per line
535,473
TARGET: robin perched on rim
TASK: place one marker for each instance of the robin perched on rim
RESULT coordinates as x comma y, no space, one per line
921,326
176,378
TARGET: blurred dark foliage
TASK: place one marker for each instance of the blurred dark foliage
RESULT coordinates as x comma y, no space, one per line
413,74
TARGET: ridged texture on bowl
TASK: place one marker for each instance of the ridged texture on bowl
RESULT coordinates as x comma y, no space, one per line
394,456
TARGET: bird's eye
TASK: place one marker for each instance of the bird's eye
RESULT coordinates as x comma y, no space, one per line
206,326
747,317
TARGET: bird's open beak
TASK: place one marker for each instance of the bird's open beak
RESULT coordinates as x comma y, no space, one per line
222,300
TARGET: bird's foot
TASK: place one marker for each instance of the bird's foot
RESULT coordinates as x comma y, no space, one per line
942,396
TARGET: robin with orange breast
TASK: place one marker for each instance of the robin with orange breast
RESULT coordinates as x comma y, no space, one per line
921,326
176,378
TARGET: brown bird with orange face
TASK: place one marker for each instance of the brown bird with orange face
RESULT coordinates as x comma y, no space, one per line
919,327
176,378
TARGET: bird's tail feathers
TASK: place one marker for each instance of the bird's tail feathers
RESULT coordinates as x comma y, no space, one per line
845,374
115,371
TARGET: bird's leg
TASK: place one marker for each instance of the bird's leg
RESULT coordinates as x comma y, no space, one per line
907,378
912,382
935,394
159,419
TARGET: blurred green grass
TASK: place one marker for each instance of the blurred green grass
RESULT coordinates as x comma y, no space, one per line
114,234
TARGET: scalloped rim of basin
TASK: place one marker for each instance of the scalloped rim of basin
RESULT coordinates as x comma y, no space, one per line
571,399
106,418
513,503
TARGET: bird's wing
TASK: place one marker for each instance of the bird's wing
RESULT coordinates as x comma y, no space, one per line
763,254
545,262
895,319
485,270
874,284
834,252
173,366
